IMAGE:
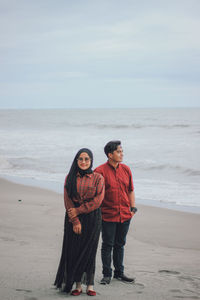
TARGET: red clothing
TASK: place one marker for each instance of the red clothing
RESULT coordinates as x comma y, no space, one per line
118,184
90,189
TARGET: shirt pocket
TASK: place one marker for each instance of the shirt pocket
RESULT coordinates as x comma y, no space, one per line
90,192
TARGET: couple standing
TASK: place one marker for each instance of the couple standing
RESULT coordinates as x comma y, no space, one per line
111,187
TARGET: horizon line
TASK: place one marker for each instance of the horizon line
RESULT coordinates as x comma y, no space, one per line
92,108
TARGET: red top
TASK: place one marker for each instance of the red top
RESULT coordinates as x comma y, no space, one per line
118,184
90,189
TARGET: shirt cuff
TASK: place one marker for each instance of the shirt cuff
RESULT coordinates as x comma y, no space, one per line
75,221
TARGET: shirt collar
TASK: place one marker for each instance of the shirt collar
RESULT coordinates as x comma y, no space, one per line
112,166
87,175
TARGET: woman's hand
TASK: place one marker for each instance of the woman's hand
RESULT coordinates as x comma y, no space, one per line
72,212
77,228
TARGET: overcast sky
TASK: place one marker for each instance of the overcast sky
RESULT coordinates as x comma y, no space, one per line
99,53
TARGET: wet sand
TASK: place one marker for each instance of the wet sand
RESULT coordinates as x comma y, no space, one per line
162,250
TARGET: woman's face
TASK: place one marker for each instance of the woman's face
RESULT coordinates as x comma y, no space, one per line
84,161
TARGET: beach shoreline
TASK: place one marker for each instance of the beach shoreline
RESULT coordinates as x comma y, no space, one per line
57,187
162,250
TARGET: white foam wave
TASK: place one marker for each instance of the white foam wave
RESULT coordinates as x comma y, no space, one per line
168,192
180,169
4,163
158,144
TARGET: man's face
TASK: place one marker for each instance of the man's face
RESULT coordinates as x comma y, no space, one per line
117,155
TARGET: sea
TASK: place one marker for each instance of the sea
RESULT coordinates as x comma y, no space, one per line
161,146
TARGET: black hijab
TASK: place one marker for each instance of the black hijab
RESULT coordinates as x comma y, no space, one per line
72,176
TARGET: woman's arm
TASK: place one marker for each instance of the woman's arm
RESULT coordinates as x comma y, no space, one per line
68,205
87,207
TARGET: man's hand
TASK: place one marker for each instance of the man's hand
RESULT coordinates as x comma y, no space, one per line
77,228
72,212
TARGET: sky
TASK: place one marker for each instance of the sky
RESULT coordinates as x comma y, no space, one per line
105,53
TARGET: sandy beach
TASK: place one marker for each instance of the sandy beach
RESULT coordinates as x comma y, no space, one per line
162,250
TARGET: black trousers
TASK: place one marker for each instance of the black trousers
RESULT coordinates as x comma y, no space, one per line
113,240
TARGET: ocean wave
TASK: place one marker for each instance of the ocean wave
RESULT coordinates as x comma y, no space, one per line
4,163
130,126
186,171
111,126
168,191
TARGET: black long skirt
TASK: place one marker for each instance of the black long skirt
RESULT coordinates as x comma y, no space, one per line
77,263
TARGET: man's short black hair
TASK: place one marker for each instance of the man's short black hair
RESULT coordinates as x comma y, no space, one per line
111,146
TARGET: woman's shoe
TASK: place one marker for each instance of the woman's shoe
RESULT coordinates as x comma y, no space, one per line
91,293
76,292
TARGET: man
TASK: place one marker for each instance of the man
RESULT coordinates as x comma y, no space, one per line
117,208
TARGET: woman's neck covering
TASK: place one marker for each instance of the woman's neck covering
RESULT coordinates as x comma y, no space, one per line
72,176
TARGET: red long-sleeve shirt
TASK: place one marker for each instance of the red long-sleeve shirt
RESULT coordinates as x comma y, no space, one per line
118,184
90,189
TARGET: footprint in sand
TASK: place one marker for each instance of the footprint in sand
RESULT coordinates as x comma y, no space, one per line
186,293
186,297
192,281
182,296
139,288
140,285
169,272
187,278
7,239
23,243
175,291
22,290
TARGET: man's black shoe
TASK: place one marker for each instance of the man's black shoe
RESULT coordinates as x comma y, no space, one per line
124,278
105,280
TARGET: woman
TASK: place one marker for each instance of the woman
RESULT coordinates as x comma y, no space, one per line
83,194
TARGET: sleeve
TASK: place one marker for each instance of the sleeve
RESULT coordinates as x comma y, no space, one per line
98,170
69,204
95,203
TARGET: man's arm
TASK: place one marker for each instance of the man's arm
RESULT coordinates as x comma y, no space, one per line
131,196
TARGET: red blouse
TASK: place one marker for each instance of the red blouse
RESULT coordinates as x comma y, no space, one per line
90,189
118,185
